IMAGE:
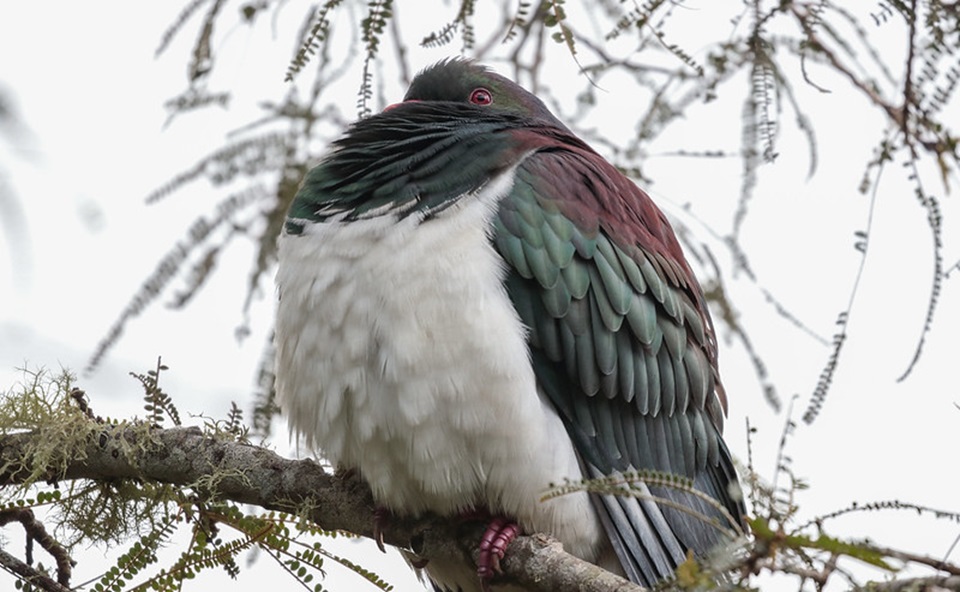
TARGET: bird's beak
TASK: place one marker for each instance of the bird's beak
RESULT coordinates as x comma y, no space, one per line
395,105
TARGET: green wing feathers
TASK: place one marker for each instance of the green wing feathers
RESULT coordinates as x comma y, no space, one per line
618,334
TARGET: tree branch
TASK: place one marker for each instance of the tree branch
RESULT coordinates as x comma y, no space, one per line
927,584
30,574
249,474
896,114
36,532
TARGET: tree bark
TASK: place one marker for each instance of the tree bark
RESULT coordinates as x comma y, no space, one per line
250,474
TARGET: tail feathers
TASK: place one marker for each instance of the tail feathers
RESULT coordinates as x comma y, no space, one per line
651,539
718,482
640,536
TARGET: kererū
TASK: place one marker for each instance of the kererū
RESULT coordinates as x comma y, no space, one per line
474,305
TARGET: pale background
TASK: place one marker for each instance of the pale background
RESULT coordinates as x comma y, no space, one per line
93,143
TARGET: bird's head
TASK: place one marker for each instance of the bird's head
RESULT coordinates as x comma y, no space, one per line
464,82
459,126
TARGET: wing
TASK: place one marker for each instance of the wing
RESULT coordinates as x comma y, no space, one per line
622,345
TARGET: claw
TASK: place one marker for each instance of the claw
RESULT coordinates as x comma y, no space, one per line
493,546
381,518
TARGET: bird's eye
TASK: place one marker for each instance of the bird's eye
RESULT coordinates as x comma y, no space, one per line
481,96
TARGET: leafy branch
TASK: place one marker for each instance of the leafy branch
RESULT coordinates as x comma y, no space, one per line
205,480
223,474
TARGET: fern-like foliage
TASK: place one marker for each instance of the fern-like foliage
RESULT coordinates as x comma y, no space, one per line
141,555
760,110
220,532
882,506
637,18
310,44
826,374
931,204
168,268
930,81
234,424
461,23
141,515
373,26
195,98
680,53
157,403
146,516
246,157
782,542
765,44
518,20
189,9
776,538
555,16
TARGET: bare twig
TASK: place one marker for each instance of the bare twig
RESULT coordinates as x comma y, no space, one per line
933,562
908,78
895,113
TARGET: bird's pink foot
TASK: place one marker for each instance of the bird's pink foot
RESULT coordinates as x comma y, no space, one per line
493,545
381,518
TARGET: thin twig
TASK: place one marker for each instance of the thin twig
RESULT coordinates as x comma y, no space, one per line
895,113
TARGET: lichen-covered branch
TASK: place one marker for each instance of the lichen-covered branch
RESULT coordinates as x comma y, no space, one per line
108,480
248,474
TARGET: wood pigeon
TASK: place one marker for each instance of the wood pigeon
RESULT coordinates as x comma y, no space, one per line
475,305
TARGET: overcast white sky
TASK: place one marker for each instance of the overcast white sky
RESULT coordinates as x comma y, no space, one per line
90,94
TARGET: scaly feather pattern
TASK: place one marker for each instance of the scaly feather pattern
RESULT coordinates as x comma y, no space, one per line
622,345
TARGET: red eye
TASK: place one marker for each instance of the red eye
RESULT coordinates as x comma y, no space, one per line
481,96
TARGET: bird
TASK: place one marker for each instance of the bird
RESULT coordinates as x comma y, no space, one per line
474,305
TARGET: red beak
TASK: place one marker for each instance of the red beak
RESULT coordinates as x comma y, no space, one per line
395,105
